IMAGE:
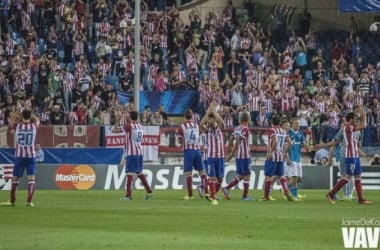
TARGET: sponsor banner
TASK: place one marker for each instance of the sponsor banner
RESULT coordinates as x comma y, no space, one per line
68,177
151,140
112,177
64,136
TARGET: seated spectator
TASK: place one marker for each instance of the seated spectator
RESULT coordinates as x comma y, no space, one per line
376,160
156,119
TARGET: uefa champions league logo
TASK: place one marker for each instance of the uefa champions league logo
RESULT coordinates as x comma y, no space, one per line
361,233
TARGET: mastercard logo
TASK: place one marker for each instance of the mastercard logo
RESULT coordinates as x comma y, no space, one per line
81,177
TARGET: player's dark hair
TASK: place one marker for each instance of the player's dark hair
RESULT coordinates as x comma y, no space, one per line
134,115
350,116
188,114
283,121
26,114
276,120
244,117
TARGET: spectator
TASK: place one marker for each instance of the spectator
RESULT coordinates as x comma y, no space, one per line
57,117
156,119
376,160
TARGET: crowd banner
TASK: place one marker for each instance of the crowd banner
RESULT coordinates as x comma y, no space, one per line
151,140
61,136
258,139
156,140
359,6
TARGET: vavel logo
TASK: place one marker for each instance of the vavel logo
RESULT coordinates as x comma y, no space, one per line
361,233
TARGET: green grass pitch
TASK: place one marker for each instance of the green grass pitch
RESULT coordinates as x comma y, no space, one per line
99,220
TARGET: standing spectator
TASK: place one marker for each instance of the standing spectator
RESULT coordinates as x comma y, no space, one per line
188,136
57,116
133,155
40,155
25,127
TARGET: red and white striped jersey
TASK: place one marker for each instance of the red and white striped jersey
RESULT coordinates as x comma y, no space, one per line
243,149
215,143
280,135
321,106
283,103
26,134
254,102
73,118
134,137
228,120
163,41
68,82
351,138
9,46
189,133
334,119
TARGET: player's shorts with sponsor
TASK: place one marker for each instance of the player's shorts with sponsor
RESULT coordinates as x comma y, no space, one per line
22,164
353,166
294,169
192,159
272,168
242,166
134,164
215,167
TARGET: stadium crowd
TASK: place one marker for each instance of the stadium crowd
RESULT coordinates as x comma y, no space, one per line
66,60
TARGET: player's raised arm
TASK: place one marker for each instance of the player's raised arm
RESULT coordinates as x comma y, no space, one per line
35,119
362,119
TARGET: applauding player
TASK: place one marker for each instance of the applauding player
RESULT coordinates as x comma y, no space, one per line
25,128
213,124
188,136
352,160
134,155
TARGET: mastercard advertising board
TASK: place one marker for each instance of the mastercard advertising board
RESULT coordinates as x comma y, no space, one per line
81,177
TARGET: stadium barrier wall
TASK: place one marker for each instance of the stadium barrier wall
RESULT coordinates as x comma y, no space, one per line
98,168
112,177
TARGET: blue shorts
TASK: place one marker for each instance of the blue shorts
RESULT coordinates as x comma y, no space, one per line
134,164
272,168
242,166
215,167
192,159
21,164
353,166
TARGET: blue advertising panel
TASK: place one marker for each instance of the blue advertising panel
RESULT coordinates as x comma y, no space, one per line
174,102
71,155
